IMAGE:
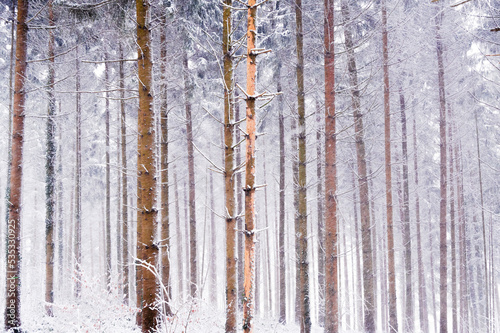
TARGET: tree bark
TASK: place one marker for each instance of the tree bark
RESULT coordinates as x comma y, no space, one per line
483,224
231,259
330,242
454,290
146,172
13,260
249,270
78,177
192,187
165,212
305,315
422,300
50,161
123,125
409,316
368,288
393,315
107,209
443,293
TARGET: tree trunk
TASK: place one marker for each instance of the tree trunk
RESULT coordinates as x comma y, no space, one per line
368,288
359,284
393,315
483,224
180,275
249,271
107,209
443,293
454,290
305,316
13,262
192,194
146,172
230,204
422,295
50,161
330,242
78,177
213,246
123,125
409,316
282,230
165,217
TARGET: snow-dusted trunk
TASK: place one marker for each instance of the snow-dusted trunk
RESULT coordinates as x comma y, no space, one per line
443,290
366,242
193,262
124,183
422,295
146,173
305,315
330,241
165,212
409,317
13,257
50,185
229,149
451,180
393,316
281,237
107,209
483,227
249,270
78,176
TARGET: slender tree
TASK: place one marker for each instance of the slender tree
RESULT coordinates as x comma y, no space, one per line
393,316
305,315
13,257
366,242
229,149
443,292
331,282
50,184
108,175
165,217
146,173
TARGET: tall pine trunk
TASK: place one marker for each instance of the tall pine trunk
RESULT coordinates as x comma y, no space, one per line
422,295
330,242
393,316
50,162
250,225
78,178
409,317
146,173
366,242
305,315
193,263
229,149
165,212
443,291
107,209
124,192
13,260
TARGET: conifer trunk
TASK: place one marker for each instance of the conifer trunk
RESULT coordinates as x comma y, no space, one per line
305,315
146,172
330,242
443,292
50,161
451,179
368,288
250,225
393,316
193,263
165,212
13,260
409,317
231,259
107,209
78,176
123,130
423,311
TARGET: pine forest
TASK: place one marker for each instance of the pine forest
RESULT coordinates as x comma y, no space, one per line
211,166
